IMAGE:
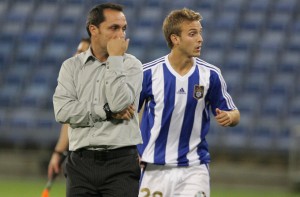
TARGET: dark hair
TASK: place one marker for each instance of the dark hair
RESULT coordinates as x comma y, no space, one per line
96,17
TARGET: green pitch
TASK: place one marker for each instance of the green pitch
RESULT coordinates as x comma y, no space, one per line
34,188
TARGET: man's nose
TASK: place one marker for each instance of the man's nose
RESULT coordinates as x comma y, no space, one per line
121,34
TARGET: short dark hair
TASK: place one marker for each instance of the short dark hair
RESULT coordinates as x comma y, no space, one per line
96,16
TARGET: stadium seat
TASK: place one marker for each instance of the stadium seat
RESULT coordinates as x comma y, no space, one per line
239,136
253,21
219,40
237,60
35,95
213,56
256,82
282,84
245,40
274,106
233,5
233,79
9,95
285,6
264,61
46,12
272,41
259,6
279,22
20,11
227,20
294,42
248,105
263,135
289,63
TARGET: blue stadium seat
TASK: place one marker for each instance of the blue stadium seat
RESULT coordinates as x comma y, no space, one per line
293,43
16,76
282,84
289,63
20,11
6,50
248,103
259,6
274,106
219,40
150,16
256,82
227,20
207,19
213,56
279,22
3,119
177,4
71,14
206,5
264,61
296,26
9,94
294,108
46,12
233,5
3,8
35,95
36,32
29,50
239,136
263,135
253,21
245,40
272,41
237,60
233,80
285,6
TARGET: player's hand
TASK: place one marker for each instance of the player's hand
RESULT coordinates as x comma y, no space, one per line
126,114
223,117
54,166
117,46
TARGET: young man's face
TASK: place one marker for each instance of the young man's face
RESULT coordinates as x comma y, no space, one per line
190,40
114,26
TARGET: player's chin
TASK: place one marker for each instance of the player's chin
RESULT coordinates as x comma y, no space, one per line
196,54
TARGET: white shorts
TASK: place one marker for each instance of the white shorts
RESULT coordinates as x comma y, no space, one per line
166,181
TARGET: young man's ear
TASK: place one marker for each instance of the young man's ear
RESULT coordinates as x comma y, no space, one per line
174,38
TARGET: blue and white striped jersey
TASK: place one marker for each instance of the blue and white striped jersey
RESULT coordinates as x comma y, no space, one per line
176,113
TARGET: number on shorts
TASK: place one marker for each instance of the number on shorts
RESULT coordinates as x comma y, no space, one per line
154,194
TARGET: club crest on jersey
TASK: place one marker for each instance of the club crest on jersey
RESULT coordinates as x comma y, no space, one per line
198,91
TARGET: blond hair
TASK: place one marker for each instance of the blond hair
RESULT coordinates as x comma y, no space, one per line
173,21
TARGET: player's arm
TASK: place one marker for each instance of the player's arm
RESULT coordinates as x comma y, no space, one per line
61,146
227,118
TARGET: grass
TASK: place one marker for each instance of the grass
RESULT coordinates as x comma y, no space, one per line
34,188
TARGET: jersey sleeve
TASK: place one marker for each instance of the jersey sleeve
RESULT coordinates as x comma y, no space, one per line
218,96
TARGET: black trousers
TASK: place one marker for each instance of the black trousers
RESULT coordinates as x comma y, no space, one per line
111,173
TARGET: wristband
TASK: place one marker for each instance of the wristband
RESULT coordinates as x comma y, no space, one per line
107,111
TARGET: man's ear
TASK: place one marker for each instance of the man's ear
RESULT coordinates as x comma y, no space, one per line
93,29
174,38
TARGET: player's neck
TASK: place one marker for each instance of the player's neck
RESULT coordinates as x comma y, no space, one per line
180,63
